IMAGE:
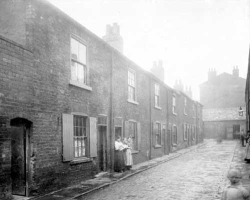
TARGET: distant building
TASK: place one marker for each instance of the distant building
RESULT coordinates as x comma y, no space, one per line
222,96
223,91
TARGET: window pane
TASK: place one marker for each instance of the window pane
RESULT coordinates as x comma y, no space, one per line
82,53
74,49
80,74
73,70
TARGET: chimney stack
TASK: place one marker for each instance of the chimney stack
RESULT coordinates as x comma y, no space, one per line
211,74
158,70
235,71
113,37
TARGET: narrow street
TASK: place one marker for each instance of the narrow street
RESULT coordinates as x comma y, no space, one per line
200,174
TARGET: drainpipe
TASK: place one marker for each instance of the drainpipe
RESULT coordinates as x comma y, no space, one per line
111,121
150,119
168,136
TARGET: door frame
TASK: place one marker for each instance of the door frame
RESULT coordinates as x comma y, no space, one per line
26,125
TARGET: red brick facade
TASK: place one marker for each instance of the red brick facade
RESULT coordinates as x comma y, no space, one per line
39,100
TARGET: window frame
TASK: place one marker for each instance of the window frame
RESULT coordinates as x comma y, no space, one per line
185,132
185,105
193,133
158,134
157,95
194,111
85,84
136,133
133,87
174,143
68,153
174,104
85,138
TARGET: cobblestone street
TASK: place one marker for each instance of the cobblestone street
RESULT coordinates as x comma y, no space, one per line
200,174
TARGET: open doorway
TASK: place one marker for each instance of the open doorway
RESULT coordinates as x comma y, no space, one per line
102,148
20,156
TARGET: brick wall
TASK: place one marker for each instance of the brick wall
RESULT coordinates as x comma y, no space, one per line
5,160
35,85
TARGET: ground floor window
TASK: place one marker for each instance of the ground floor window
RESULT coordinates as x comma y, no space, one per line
174,134
80,136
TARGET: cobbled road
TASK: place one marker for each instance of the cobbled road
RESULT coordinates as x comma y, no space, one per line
199,174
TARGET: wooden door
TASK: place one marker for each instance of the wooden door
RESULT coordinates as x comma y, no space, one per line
18,161
102,154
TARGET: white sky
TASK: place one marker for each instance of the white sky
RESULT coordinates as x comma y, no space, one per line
190,36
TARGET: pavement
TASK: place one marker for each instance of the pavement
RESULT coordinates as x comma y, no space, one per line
103,180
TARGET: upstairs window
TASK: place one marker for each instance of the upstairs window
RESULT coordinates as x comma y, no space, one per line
131,85
174,104
185,135
157,95
185,105
78,62
193,111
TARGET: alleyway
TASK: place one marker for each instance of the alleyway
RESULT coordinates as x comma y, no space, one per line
199,174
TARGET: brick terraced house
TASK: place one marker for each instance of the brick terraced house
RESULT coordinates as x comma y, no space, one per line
64,95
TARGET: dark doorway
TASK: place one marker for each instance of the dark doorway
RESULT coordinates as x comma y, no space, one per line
20,159
102,150
236,131
118,132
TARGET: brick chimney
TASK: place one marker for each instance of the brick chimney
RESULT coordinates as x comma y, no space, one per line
236,71
211,74
113,37
158,70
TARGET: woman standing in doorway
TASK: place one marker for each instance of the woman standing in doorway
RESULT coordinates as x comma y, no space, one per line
119,165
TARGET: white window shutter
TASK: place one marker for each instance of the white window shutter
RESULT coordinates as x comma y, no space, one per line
93,137
139,135
67,137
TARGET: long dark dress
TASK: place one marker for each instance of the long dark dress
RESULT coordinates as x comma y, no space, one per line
119,164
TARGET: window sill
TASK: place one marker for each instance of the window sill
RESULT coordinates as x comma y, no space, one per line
80,160
134,151
157,146
157,107
133,102
80,85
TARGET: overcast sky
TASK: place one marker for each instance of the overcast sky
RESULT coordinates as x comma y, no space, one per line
190,36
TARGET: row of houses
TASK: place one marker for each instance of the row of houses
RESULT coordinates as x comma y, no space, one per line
65,94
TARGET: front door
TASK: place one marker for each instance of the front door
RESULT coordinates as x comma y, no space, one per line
19,160
102,152
236,131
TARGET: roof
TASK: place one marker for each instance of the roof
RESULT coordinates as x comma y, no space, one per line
226,78
223,114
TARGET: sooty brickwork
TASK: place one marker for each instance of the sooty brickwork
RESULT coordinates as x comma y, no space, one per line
37,89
